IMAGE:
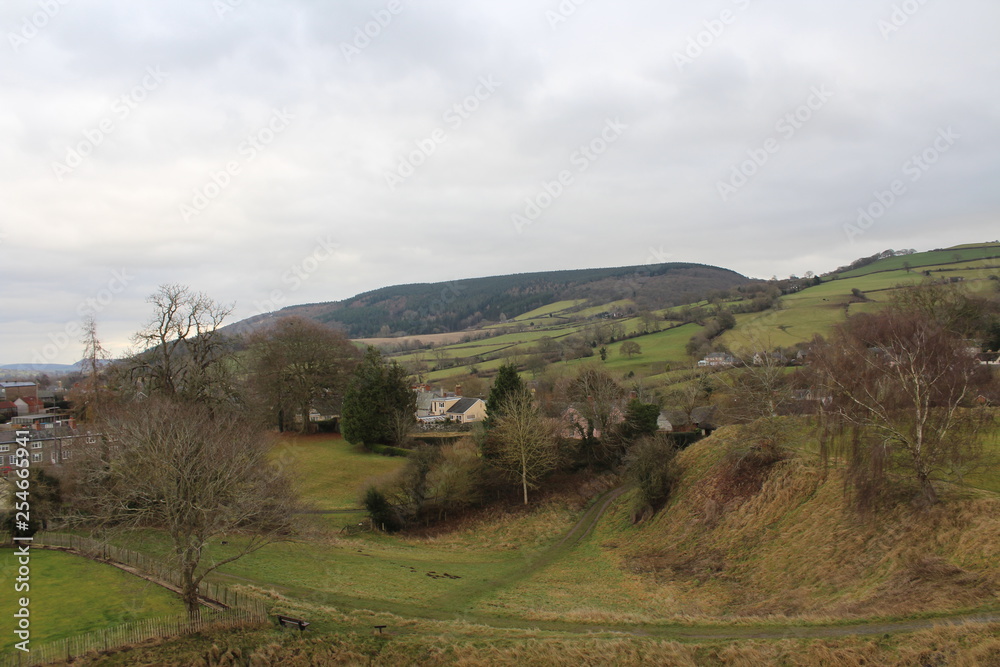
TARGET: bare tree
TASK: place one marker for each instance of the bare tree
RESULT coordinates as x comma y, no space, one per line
902,390
182,351
296,364
525,449
195,474
88,397
598,399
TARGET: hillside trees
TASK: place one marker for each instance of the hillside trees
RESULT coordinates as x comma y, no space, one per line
297,364
901,388
195,473
378,395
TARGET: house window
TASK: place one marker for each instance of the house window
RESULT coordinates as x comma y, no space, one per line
36,445
4,448
36,457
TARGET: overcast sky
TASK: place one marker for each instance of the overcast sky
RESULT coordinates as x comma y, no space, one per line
273,153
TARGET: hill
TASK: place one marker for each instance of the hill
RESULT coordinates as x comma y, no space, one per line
568,333
432,308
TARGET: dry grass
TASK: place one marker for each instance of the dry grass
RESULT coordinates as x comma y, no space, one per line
777,544
795,548
475,646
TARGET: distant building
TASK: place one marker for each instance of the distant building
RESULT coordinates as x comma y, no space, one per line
717,360
11,391
28,405
49,444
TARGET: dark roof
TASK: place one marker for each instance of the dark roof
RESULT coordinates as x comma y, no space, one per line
462,405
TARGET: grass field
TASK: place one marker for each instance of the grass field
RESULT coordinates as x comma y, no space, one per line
332,473
923,260
71,595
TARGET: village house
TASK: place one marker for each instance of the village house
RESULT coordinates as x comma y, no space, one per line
49,444
434,406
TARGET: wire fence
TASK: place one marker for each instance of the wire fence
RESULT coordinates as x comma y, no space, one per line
240,609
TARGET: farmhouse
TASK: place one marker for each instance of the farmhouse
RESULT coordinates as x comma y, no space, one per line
717,359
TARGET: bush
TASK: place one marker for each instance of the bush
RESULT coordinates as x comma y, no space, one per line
381,512
651,466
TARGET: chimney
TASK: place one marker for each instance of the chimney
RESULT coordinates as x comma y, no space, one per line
458,389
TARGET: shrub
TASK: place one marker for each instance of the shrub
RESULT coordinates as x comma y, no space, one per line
651,466
381,511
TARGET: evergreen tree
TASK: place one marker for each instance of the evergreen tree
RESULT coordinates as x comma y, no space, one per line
506,384
377,393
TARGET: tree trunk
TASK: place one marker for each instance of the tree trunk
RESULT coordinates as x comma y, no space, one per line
524,484
189,590
927,491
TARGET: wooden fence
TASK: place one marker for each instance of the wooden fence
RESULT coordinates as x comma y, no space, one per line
242,609
129,634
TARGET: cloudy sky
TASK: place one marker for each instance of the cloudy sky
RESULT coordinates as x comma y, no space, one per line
271,153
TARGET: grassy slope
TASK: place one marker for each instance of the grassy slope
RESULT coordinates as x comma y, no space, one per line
923,260
337,471
793,551
71,595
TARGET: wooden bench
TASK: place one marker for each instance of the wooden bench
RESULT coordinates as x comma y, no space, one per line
289,622
380,628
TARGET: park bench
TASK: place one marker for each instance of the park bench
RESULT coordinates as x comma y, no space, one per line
289,622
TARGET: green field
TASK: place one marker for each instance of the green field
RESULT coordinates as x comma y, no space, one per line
924,260
336,472
71,595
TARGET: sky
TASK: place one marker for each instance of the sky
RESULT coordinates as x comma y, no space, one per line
274,153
